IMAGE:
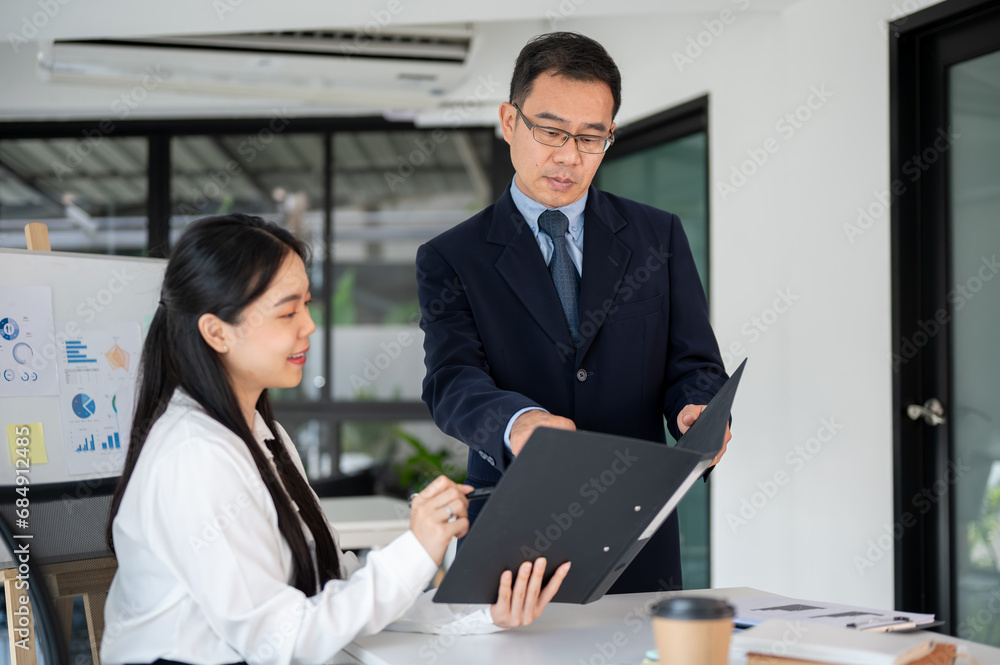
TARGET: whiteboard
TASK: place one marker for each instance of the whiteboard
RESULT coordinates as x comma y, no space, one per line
108,300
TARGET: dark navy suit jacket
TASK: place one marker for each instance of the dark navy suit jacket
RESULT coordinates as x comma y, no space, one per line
496,340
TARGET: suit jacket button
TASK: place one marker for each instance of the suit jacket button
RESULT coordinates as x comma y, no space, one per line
482,454
581,375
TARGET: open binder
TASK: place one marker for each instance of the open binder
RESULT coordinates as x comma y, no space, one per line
593,499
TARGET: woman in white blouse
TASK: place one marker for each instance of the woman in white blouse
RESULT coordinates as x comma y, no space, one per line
224,555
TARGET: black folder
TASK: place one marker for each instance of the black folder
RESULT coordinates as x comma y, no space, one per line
593,499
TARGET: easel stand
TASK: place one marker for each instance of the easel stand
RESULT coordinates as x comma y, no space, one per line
89,578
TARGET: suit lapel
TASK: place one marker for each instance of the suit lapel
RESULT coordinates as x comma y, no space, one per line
521,265
605,258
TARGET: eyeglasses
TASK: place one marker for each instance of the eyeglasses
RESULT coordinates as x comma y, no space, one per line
556,138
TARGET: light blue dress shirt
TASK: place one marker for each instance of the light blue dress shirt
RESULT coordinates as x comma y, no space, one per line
530,209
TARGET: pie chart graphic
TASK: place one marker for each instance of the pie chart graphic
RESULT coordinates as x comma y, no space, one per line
83,406
23,353
8,328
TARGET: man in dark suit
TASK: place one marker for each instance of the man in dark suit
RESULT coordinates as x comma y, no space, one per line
561,305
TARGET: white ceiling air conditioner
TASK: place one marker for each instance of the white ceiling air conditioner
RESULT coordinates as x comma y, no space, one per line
408,68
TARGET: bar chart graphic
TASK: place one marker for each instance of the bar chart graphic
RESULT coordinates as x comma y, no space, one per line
76,353
98,367
112,443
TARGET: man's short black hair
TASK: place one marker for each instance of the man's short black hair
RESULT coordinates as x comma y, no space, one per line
568,54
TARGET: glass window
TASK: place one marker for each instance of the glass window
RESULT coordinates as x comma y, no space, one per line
91,192
272,175
392,192
671,176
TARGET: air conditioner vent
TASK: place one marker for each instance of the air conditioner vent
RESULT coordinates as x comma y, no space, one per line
408,68
330,43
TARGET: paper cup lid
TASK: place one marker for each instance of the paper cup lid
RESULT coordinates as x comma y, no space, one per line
693,607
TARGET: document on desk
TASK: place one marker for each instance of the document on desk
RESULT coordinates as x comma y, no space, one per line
817,643
752,611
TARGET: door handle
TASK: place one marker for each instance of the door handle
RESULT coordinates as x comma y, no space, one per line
932,412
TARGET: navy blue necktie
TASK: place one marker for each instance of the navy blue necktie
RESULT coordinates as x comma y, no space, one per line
561,267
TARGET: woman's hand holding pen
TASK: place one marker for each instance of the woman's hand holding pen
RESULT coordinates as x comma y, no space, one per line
438,514
522,604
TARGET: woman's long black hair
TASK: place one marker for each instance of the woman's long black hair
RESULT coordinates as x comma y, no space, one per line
220,266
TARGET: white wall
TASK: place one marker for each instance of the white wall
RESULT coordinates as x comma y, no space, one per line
823,358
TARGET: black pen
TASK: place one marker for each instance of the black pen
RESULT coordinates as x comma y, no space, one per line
478,493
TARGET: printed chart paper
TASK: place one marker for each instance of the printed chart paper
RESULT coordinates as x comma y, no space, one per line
25,328
98,371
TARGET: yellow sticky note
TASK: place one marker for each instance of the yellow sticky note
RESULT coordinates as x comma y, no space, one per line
36,442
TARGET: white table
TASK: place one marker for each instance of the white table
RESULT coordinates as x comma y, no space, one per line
614,629
366,522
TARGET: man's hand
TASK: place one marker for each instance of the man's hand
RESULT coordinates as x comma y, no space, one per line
529,420
686,418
